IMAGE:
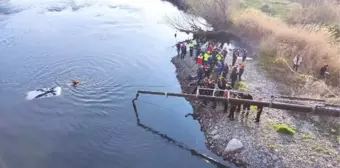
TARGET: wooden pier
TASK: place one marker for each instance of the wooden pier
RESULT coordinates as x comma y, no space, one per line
315,109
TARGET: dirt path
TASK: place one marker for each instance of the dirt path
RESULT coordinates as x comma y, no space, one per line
313,145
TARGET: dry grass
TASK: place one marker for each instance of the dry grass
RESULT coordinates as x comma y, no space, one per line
278,39
314,12
315,44
279,7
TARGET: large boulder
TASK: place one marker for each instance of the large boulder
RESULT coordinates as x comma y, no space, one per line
234,145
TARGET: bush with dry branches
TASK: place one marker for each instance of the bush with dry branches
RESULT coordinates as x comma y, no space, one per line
216,12
277,39
314,12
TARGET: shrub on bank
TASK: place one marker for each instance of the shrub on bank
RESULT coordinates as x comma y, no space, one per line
314,12
277,39
284,129
241,86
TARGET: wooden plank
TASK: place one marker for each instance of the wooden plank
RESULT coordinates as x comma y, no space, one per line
278,96
319,110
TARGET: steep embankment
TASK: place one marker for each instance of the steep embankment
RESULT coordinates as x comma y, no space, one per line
313,144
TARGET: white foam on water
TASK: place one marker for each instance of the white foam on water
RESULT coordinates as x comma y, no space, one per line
33,94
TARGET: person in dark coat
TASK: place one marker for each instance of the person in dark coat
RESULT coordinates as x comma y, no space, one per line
203,84
183,50
245,54
240,96
323,71
214,54
232,110
198,50
241,71
224,53
225,71
178,47
246,107
233,76
222,84
259,112
209,85
191,48
219,69
200,73
206,68
235,55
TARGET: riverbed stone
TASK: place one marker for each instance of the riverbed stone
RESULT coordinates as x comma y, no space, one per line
233,146
216,137
213,132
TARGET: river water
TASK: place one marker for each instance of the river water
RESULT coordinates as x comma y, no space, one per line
113,48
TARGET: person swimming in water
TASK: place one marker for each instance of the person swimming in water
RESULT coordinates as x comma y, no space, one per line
75,83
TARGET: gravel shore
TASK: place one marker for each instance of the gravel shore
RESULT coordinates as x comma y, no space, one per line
315,144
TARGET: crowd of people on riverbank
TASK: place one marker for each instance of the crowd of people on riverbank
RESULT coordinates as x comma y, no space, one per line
215,73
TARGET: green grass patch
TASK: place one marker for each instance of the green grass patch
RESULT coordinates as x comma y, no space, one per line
317,149
266,61
282,128
241,86
273,146
307,136
280,8
285,129
253,108
321,150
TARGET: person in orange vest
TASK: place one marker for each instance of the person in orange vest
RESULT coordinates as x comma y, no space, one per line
200,59
241,71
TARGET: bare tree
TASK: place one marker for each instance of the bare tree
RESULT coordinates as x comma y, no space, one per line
315,12
217,14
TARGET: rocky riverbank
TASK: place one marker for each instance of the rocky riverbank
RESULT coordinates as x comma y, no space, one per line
315,143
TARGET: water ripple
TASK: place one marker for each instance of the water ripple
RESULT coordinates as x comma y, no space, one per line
98,88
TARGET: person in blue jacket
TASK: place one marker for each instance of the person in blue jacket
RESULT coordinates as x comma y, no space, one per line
225,70
219,69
